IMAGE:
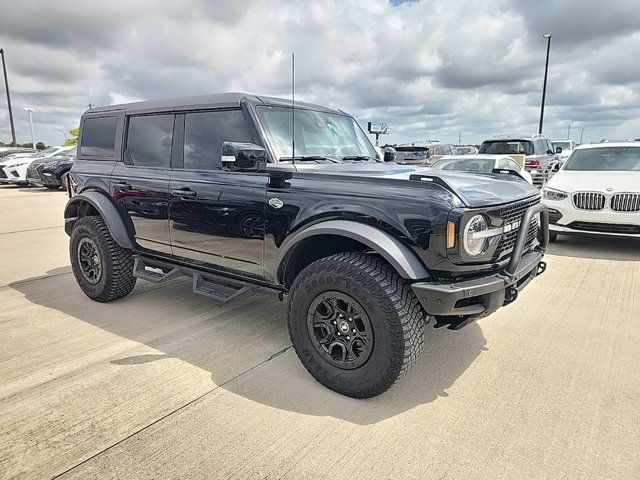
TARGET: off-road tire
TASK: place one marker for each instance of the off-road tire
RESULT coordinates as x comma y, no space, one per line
116,280
396,317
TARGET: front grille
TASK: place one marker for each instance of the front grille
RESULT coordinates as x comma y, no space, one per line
589,200
605,227
625,202
510,214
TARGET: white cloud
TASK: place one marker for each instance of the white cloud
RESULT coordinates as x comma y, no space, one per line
430,69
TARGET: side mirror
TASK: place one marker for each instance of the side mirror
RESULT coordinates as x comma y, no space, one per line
389,154
245,157
558,149
549,152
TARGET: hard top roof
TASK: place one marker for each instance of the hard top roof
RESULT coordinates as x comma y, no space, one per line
202,102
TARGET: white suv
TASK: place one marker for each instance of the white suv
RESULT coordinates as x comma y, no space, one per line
596,191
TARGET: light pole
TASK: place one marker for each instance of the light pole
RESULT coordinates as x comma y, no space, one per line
6,84
64,132
569,132
581,133
29,111
544,85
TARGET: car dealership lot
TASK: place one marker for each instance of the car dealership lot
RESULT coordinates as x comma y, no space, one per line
167,384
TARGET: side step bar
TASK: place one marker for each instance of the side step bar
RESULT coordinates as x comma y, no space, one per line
216,287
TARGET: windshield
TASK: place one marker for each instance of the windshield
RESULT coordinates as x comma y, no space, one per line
507,147
47,152
605,158
318,134
562,145
484,165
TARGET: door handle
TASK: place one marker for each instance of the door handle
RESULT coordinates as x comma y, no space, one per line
123,185
184,192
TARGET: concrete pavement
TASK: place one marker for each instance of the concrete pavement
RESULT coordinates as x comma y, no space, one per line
165,384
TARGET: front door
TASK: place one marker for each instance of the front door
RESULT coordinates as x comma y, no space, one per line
140,184
217,216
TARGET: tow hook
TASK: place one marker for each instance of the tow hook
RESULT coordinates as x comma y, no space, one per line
542,266
510,294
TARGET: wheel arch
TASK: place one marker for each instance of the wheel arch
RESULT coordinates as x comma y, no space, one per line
96,203
335,236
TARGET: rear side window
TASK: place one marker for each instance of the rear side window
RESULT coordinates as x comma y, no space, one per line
98,136
204,133
149,140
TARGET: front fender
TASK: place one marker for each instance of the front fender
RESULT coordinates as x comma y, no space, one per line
106,209
401,258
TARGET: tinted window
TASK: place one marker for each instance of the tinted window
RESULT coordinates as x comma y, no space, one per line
605,159
204,134
149,140
98,136
507,147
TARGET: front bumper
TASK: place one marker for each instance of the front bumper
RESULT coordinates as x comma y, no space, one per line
484,295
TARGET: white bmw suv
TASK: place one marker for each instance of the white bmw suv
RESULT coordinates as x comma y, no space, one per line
596,191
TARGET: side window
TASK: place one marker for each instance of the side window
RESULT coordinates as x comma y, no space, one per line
98,136
204,133
504,163
513,165
149,140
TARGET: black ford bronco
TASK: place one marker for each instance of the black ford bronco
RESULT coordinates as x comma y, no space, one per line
368,253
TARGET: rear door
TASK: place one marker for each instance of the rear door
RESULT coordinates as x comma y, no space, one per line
140,184
216,216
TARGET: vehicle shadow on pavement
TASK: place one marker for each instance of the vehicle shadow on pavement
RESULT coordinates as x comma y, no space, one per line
599,248
246,348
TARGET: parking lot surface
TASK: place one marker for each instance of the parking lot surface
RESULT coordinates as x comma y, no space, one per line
165,384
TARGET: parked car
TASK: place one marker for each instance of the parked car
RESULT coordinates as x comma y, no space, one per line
15,166
421,153
482,164
537,150
5,151
367,252
597,192
563,148
8,152
466,150
49,171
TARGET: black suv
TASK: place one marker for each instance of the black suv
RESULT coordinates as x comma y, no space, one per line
367,252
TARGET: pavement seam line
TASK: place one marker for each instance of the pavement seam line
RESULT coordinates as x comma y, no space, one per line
167,415
29,230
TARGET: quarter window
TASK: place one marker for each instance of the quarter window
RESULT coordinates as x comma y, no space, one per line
98,136
149,140
204,134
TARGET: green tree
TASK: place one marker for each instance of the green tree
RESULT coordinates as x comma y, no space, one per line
74,137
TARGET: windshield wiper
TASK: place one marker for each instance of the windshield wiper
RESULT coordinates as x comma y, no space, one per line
358,158
310,158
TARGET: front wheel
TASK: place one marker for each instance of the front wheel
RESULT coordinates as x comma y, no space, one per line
355,324
103,269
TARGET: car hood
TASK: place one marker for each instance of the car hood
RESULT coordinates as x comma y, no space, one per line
55,158
475,190
16,161
606,182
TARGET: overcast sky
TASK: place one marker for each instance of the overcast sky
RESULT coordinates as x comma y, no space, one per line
430,69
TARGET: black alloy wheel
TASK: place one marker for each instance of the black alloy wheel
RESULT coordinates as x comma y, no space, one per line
340,330
89,260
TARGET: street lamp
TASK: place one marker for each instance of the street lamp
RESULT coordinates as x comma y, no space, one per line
29,111
6,84
64,132
544,85
569,132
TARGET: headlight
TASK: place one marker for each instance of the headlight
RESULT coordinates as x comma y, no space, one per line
553,194
475,244
51,164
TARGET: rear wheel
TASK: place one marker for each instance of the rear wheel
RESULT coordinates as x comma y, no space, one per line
355,324
103,269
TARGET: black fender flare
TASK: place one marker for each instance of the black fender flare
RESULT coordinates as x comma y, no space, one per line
106,209
401,258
